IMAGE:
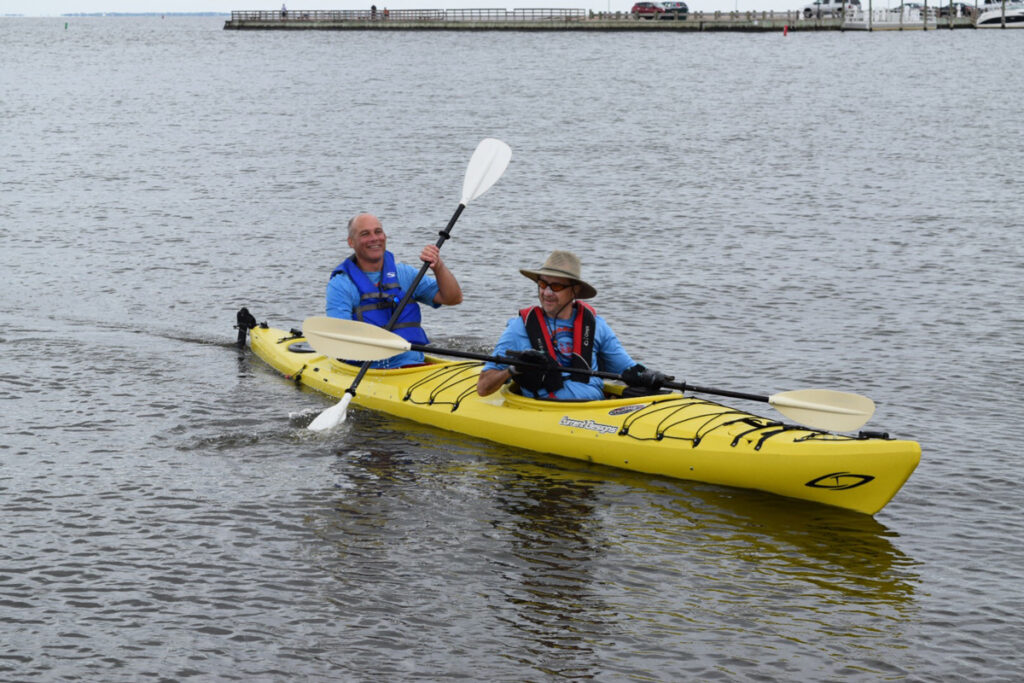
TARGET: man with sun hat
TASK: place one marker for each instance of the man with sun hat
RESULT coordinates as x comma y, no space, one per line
558,336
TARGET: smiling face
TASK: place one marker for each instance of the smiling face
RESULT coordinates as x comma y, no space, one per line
556,304
367,239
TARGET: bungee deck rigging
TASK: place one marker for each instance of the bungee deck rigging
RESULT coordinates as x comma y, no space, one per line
674,409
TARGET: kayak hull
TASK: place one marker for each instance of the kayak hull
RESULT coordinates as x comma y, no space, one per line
669,434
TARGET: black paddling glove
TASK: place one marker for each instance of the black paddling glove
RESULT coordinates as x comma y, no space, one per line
537,370
639,376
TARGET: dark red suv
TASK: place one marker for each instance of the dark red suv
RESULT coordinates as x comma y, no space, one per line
648,9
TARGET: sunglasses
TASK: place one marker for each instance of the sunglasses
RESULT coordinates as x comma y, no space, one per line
554,286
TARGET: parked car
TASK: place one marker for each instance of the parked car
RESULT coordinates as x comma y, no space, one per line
647,10
829,8
675,10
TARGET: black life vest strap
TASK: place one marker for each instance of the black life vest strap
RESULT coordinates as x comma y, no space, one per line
582,341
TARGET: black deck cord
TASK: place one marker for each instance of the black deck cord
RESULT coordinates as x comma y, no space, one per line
244,321
708,426
672,407
742,435
453,372
768,435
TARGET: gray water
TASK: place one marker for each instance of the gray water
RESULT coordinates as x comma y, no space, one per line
757,212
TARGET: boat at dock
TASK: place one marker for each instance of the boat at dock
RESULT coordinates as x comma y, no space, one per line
997,15
905,19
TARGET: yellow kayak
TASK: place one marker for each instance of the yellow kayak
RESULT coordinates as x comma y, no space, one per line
668,434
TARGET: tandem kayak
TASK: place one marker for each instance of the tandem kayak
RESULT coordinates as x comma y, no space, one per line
667,434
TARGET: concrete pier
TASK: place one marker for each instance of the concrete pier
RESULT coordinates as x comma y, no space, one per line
567,20
519,20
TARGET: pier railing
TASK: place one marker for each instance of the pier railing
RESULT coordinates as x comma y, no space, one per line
524,14
579,19
491,15
527,14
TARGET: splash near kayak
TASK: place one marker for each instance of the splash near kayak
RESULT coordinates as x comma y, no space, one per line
669,434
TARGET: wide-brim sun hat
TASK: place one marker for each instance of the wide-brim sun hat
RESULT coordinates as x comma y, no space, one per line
562,264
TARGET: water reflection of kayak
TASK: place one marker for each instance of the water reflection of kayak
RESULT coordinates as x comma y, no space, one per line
667,434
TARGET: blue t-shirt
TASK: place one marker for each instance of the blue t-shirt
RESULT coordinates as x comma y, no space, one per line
608,354
343,298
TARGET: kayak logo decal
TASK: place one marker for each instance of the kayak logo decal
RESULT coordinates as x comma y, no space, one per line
840,481
567,421
627,409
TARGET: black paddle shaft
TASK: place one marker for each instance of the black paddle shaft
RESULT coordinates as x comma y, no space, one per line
444,235
681,386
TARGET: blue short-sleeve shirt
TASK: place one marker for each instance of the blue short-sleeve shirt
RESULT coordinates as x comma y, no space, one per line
343,298
609,354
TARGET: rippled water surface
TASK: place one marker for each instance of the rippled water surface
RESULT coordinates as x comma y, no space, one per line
758,212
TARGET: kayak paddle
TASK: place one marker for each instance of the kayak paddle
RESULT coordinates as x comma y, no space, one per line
827,409
487,164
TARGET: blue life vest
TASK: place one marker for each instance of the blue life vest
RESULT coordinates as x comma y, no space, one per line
378,302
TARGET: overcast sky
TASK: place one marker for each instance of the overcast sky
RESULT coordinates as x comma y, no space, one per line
38,8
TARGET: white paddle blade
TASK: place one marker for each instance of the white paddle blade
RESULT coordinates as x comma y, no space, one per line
488,163
834,411
352,340
331,417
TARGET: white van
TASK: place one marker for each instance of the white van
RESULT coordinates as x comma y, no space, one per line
829,8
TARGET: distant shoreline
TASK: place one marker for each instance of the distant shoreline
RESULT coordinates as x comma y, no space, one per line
115,14
147,14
